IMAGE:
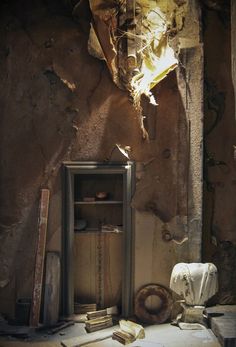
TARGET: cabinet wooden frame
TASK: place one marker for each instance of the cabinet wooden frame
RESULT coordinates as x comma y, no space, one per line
70,169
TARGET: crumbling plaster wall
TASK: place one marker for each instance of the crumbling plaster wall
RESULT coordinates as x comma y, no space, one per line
58,103
219,166
176,202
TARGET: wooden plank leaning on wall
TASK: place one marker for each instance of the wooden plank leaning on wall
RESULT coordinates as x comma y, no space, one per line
52,289
39,262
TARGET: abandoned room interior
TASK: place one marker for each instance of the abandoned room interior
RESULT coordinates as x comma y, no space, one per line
118,173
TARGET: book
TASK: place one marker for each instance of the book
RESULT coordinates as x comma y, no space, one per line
128,332
96,314
123,337
98,323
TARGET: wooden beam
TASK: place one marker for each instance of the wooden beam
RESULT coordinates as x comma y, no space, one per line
39,262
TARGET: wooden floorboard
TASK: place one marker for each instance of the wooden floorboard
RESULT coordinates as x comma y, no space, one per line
224,325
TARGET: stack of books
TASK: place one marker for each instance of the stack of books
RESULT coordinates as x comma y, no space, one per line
98,320
123,337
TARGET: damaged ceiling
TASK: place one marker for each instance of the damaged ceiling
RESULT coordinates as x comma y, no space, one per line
138,41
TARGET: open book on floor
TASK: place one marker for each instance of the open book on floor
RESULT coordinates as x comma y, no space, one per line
128,332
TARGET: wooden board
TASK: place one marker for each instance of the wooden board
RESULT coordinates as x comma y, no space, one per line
98,268
89,338
52,289
223,309
224,326
39,262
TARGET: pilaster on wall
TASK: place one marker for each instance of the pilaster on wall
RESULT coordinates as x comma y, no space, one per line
195,179
233,47
190,84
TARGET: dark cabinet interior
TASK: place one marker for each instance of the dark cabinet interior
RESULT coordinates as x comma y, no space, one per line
97,237
98,226
98,202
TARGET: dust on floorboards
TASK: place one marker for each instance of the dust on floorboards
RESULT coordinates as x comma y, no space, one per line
29,344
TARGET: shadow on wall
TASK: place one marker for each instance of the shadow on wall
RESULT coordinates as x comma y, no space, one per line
41,114
59,103
162,161
219,161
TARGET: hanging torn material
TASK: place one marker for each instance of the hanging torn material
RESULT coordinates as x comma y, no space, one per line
133,37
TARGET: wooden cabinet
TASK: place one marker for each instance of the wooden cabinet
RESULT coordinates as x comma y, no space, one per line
98,268
98,226
97,237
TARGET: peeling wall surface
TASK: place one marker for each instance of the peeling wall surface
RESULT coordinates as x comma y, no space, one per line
58,103
219,164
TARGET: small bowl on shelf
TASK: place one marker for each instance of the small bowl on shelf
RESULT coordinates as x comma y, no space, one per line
80,224
101,195
88,199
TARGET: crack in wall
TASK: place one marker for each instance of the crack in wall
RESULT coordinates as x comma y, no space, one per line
95,87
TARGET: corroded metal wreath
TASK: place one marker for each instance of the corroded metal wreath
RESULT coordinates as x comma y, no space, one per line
163,313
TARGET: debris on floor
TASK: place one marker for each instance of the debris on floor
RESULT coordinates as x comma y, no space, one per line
76,318
128,332
191,326
55,328
84,308
149,344
13,330
10,329
82,340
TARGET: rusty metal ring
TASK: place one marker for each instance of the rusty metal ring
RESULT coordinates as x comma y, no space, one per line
163,313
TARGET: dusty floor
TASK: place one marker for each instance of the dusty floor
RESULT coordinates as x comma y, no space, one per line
27,344
164,335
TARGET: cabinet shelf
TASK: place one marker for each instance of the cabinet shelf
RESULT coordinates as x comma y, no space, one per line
97,254
88,231
104,202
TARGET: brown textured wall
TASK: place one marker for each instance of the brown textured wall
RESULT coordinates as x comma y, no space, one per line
58,103
219,169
